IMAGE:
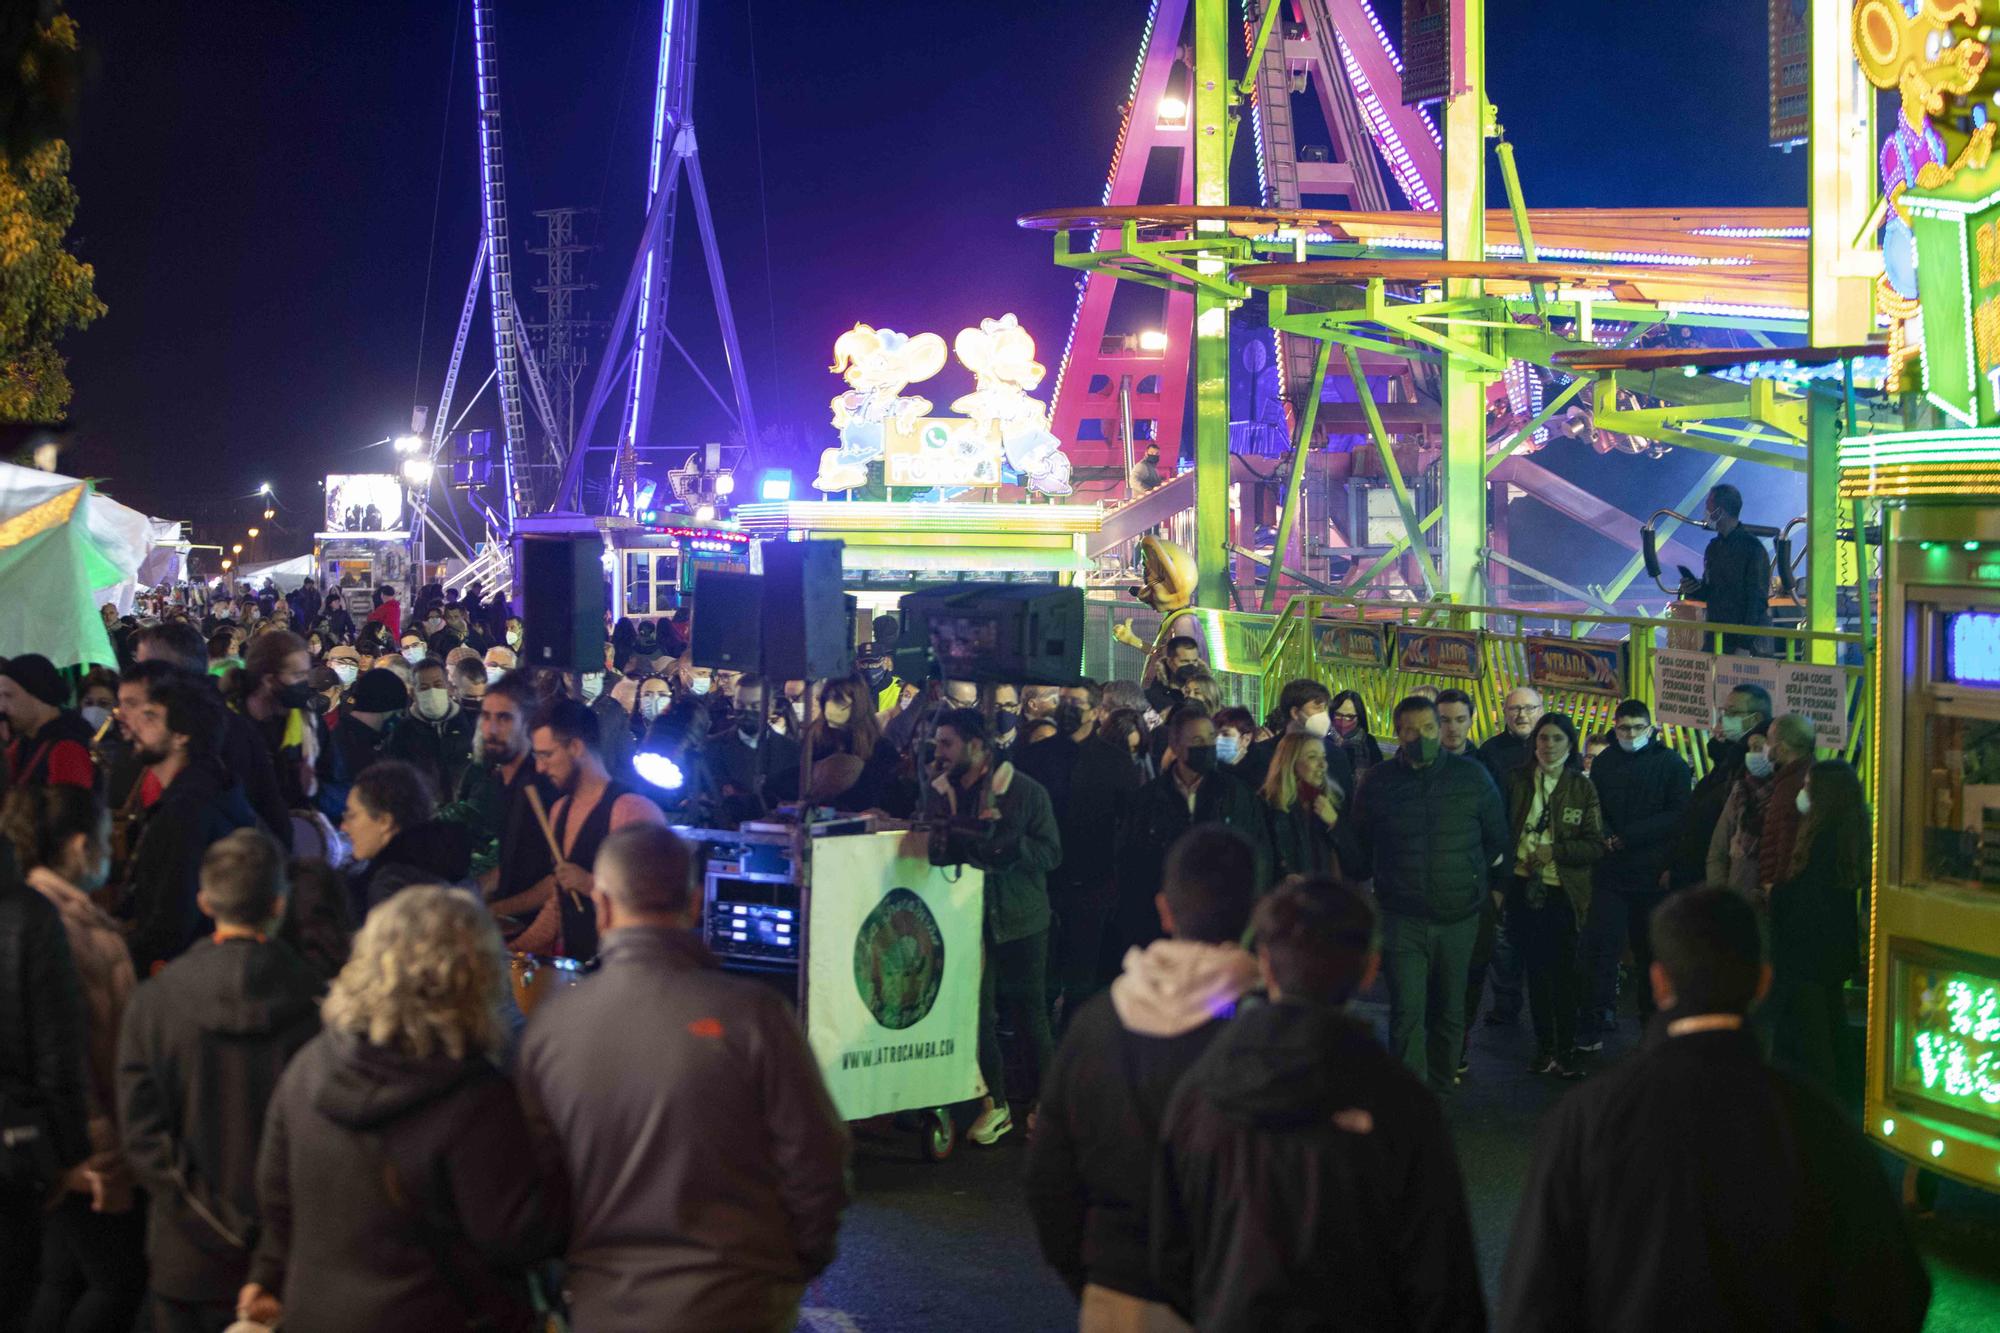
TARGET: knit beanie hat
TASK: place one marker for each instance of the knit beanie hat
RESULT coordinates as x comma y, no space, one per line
380,691
39,677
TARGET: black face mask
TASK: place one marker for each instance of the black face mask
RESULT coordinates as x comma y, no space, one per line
319,703
1068,718
1004,719
877,678
1200,759
750,721
295,696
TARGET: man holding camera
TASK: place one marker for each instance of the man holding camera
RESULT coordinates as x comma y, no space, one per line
983,813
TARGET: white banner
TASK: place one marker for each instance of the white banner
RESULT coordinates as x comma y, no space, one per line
1683,688
892,976
1820,693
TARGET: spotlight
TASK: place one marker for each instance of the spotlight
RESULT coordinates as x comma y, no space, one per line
236,549
1153,340
704,513
408,444
265,489
658,770
776,485
227,564
1172,113
725,484
417,471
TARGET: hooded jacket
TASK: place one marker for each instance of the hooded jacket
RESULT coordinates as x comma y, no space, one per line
201,1049
1306,1180
401,1192
708,1162
1090,1163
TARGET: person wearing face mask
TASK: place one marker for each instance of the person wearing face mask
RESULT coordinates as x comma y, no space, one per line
499,661
747,768
435,735
1558,837
97,697
345,662
1304,708
1429,827
449,634
655,695
1192,791
846,725
1735,845
1006,719
1347,716
1103,780
1793,739
1814,930
377,700
93,1238
1235,733
411,648
277,697
1643,789
1747,707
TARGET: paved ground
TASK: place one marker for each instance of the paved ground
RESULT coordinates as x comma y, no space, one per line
949,1246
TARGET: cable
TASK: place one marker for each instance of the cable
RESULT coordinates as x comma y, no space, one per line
763,206
437,200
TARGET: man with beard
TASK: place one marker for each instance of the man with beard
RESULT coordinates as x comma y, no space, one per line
242,751
590,807
747,767
510,858
188,801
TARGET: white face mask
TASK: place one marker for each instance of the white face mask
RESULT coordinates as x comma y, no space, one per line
514,638
1317,725
493,673
347,672
433,704
414,654
799,709
1555,766
700,684
1758,763
95,715
593,685
434,625
1634,744
650,706
1805,801
1729,726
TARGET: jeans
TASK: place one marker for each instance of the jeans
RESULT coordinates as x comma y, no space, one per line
1620,917
1015,977
1546,936
1425,966
1494,959
93,1268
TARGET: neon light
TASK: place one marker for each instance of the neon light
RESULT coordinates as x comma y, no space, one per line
1754,233
1413,185
1512,250
1972,657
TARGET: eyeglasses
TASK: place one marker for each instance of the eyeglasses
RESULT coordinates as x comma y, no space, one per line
1522,710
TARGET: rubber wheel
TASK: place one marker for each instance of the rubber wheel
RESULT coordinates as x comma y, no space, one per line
936,1135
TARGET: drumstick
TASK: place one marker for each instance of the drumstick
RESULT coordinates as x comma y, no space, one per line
549,832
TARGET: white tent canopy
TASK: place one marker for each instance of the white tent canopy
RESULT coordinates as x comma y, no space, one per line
285,574
64,550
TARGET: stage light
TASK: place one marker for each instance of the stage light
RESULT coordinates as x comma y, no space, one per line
417,471
658,770
776,485
1153,340
704,513
408,444
726,484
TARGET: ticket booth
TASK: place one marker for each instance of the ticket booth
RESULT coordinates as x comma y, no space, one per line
1933,1071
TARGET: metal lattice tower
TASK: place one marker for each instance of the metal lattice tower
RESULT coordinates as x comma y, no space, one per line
499,263
563,352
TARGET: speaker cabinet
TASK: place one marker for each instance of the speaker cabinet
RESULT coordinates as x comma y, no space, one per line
562,602
792,621
728,629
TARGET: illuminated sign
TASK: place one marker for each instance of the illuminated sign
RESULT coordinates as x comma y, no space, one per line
1442,652
1577,664
1972,647
1363,645
878,364
1427,53
1948,1031
938,451
1790,70
364,502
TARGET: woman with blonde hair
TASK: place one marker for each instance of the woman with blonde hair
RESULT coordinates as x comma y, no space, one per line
399,1184
1303,807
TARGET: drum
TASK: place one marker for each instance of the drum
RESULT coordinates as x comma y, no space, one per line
536,976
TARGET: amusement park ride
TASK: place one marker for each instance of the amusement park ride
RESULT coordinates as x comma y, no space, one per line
1853,345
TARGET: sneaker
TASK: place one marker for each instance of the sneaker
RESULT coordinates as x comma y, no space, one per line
1593,1043
1543,1063
1570,1067
990,1125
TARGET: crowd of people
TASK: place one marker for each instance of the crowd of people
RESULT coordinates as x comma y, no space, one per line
260,885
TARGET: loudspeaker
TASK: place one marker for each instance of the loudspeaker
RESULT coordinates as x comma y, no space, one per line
793,618
728,628
562,602
807,633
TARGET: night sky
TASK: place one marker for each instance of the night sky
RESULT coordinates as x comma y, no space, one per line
257,187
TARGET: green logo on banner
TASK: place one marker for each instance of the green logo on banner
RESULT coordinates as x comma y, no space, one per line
899,960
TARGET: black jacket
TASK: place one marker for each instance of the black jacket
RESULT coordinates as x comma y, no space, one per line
1736,583
1102,786
1301,843
1814,931
439,852
247,759
1504,753
1017,850
401,1193
1090,1162
1692,1186
201,1050
440,750
1642,795
1157,817
199,806
1430,837
1303,1171
1050,761
1687,853
747,781
41,1018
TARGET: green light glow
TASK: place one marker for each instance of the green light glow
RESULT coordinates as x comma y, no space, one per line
1971,546
1955,1042
1923,546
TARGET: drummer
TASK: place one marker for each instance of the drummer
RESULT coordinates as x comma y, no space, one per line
590,807
510,856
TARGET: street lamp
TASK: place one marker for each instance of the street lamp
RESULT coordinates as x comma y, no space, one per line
409,444
236,549
270,514
228,564
253,533
265,489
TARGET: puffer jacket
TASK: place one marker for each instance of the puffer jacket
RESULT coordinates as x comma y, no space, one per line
1576,829
1431,837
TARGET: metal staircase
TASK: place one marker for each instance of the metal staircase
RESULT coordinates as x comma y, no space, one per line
500,266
